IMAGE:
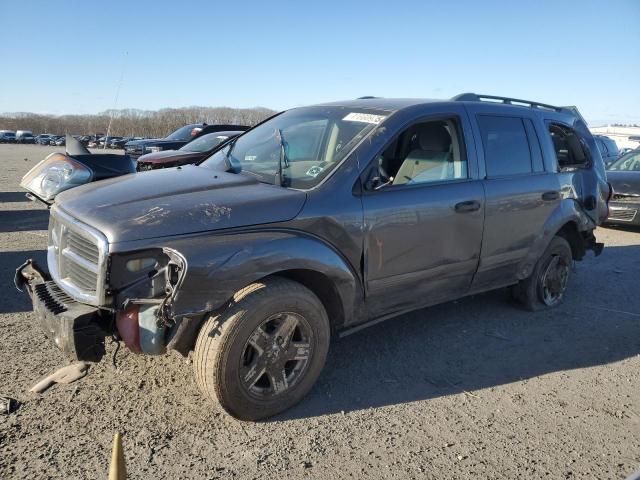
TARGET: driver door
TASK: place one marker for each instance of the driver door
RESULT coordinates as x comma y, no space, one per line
423,231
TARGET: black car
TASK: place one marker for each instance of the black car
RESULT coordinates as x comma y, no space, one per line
316,223
119,142
174,140
624,176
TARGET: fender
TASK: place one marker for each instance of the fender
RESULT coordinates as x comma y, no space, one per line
567,211
214,270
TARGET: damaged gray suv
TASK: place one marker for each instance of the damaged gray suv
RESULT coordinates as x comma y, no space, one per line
316,223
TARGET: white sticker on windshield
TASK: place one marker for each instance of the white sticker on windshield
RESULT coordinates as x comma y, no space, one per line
364,118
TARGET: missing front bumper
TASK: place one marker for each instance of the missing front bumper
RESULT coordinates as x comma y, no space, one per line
75,328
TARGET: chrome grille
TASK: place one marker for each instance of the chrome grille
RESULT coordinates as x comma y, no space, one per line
622,214
77,257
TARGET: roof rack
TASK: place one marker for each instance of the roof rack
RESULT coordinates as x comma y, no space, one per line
473,97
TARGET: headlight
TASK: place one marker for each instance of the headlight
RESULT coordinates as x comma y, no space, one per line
55,174
154,149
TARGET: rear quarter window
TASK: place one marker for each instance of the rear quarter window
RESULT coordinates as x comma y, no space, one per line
506,147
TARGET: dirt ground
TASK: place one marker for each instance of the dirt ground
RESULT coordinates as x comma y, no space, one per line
471,389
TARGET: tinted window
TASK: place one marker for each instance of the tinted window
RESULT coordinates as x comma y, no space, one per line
601,146
506,149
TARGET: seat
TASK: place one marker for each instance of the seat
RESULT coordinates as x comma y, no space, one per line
430,159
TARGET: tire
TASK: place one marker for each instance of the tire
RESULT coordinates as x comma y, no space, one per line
545,288
256,333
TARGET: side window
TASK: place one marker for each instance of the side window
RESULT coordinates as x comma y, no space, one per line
506,148
426,152
569,148
601,146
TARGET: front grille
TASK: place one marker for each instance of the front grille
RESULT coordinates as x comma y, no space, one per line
83,247
52,297
77,258
622,214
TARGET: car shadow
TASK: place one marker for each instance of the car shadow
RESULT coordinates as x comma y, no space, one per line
7,197
14,301
484,341
22,220
623,228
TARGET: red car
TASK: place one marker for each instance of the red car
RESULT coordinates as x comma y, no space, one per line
197,149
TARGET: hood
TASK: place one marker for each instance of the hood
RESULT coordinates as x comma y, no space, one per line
170,156
624,182
178,201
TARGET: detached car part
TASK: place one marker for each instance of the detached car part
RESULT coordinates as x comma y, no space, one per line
62,171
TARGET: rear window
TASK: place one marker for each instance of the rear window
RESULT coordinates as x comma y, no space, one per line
506,148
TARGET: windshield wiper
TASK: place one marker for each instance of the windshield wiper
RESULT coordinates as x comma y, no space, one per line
282,158
227,156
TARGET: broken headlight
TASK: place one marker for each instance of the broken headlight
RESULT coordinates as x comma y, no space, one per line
54,174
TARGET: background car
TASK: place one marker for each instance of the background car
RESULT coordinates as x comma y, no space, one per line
43,139
119,142
197,149
176,139
7,136
24,136
60,141
96,141
624,176
608,149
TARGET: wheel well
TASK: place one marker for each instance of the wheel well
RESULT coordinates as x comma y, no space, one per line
323,288
570,233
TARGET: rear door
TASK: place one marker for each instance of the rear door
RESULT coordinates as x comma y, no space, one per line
520,193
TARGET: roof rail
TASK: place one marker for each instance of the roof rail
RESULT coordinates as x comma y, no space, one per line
473,97
366,97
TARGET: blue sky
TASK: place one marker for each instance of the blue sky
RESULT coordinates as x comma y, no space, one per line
67,57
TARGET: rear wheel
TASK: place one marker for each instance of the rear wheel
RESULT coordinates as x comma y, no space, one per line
546,286
261,355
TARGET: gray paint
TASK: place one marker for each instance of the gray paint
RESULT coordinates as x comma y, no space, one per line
381,253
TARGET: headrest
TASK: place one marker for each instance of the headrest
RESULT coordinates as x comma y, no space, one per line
434,138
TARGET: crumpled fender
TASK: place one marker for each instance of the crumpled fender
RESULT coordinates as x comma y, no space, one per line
214,270
567,211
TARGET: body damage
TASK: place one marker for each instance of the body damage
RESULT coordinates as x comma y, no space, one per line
200,274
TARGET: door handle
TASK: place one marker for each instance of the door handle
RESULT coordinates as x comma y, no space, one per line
548,196
467,206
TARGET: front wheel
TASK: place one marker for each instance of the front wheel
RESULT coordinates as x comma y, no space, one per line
546,286
263,353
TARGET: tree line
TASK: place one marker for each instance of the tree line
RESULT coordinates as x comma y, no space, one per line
132,122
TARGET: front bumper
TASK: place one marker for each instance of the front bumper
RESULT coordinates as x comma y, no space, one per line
623,213
77,329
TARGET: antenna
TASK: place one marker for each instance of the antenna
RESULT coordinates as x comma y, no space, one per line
115,100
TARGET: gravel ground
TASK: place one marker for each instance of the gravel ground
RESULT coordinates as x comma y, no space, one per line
471,389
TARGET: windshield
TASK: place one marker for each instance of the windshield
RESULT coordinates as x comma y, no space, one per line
627,163
309,143
204,143
184,133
